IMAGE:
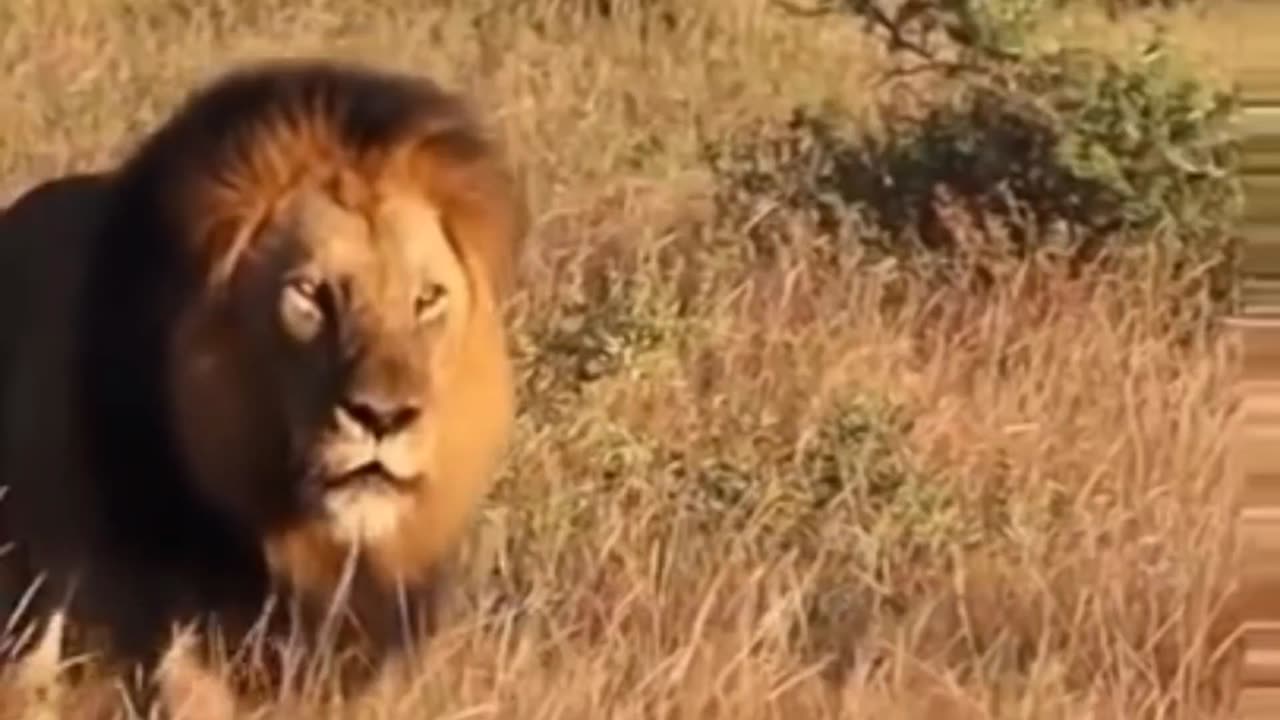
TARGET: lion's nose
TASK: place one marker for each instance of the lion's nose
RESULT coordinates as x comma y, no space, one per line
381,416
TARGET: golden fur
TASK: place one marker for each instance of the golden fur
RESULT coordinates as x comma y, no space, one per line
301,272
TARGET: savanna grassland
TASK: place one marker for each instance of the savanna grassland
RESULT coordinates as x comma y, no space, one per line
760,471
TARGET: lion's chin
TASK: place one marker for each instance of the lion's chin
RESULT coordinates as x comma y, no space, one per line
364,515
366,504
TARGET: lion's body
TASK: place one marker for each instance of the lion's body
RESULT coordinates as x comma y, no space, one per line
149,404
45,235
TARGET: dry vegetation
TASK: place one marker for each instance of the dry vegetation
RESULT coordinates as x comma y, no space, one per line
751,483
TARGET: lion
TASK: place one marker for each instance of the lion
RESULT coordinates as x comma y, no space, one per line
262,358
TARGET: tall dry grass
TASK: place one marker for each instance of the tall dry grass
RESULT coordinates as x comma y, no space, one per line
781,486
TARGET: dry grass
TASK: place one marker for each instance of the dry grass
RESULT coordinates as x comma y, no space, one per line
747,488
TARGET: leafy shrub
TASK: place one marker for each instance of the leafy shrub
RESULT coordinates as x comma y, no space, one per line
1104,149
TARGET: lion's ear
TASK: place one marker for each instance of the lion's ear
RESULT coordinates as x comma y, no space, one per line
482,203
482,207
488,231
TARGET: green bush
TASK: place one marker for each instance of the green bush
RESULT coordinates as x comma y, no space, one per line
1110,151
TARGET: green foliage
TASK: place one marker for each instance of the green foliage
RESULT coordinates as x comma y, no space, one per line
1152,136
1042,140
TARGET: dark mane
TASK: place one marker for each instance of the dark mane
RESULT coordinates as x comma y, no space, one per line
236,144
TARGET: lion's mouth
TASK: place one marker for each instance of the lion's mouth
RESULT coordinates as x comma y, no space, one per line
371,475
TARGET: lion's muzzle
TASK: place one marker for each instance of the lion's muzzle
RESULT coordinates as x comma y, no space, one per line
370,466
374,445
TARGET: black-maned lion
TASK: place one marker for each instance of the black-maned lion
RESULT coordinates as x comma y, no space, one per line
266,350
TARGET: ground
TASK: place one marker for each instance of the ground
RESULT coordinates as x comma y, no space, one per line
750,485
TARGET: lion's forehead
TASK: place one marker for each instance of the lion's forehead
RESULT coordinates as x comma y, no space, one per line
391,244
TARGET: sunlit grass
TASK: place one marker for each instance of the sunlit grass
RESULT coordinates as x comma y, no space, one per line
746,488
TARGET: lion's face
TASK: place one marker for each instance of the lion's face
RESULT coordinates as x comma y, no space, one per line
354,318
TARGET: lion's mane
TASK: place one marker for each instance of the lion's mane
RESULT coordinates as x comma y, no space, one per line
112,275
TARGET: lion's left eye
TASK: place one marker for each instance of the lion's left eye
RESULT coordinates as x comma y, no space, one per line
429,303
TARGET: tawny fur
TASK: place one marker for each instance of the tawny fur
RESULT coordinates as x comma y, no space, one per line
134,440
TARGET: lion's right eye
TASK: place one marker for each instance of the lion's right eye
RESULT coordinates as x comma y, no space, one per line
300,310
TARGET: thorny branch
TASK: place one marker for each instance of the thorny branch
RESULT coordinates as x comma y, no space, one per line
912,27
